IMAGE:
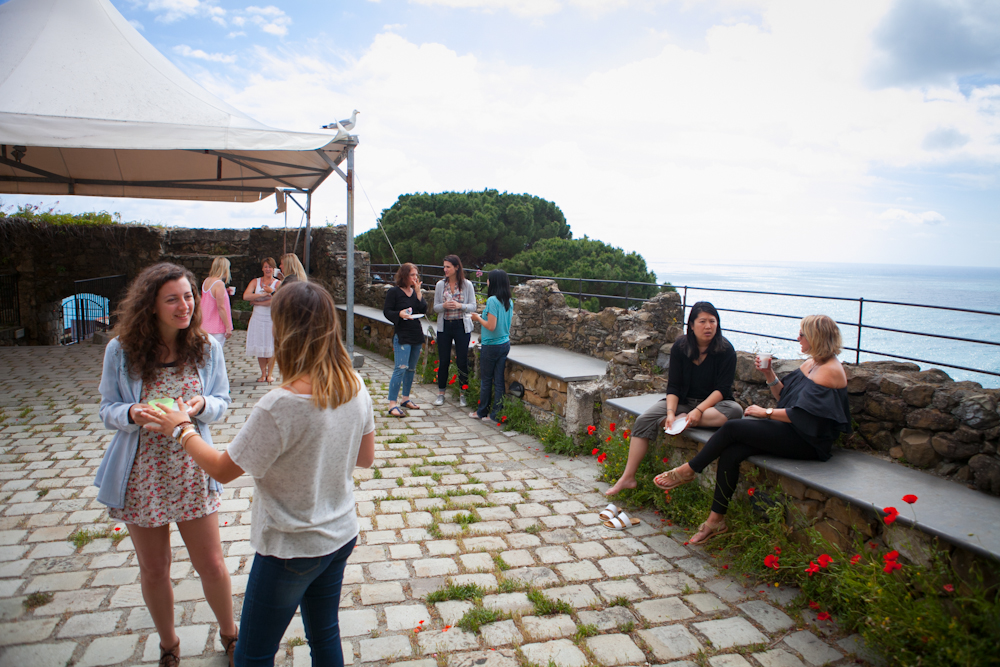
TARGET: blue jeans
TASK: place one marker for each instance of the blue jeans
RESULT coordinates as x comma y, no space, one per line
492,361
405,357
278,586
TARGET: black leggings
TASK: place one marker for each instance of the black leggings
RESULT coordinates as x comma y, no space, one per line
453,330
739,439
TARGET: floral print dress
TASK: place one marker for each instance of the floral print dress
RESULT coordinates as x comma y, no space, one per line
165,484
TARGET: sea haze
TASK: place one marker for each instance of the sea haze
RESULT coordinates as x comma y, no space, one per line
972,288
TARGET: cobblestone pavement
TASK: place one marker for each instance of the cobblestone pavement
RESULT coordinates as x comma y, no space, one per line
450,498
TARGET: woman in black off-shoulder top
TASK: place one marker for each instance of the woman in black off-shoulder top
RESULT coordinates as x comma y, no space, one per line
812,412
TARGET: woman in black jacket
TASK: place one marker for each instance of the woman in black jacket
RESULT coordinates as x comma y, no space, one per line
404,304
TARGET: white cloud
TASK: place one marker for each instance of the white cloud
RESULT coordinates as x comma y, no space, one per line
393,27
898,215
169,11
137,25
270,19
528,8
188,52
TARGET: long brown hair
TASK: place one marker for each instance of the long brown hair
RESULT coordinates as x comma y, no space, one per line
307,342
455,261
138,332
403,274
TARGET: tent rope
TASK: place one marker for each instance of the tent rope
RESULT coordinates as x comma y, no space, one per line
378,221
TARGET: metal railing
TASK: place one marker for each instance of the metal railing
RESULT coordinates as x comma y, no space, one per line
853,343
10,305
92,307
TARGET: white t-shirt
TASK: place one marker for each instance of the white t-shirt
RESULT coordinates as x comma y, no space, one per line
302,459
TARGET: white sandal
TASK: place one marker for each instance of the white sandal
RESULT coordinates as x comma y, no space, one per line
609,512
621,522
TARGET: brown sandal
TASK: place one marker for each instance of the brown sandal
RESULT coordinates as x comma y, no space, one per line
170,657
717,529
670,479
229,645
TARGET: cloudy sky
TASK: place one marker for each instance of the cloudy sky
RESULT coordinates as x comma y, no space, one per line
856,131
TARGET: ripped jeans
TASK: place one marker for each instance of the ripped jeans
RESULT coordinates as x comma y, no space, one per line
405,357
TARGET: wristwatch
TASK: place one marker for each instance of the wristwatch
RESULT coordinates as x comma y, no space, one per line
769,412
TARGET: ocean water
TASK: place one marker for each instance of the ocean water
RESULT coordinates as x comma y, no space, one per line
971,288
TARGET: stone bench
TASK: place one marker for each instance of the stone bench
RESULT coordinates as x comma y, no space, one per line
957,514
557,381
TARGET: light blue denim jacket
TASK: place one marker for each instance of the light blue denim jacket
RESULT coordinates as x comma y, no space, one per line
119,391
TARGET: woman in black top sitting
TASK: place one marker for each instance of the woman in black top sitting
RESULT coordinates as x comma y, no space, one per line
812,412
403,301
699,386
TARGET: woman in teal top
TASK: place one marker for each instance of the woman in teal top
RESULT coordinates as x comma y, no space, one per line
495,340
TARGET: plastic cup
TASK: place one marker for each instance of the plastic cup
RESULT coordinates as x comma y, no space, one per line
763,361
231,290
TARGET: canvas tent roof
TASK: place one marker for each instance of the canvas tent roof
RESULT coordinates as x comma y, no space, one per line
101,112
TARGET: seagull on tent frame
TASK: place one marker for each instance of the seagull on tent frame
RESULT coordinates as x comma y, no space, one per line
347,123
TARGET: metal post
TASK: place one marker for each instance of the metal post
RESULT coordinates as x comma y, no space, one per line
626,295
579,295
861,308
350,251
684,304
305,251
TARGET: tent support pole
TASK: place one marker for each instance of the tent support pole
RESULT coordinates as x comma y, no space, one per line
350,251
305,251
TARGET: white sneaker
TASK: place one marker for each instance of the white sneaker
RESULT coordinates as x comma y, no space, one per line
461,401
439,401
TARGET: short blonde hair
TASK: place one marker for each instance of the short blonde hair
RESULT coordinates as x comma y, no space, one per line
221,270
823,335
294,266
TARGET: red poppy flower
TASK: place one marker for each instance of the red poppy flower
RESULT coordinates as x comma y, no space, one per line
421,622
777,550
824,560
891,565
909,499
595,451
823,616
812,569
892,555
591,429
751,491
609,439
600,459
872,545
626,433
855,559
464,387
611,427
891,514
949,588
813,605
725,567
503,419
665,459
771,561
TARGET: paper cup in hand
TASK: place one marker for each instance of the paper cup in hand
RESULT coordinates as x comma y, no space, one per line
763,361
231,290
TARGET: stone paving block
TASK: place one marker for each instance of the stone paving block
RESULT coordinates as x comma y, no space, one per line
421,588
84,600
406,617
388,522
569,507
492,543
110,650
404,551
538,628
495,513
388,571
530,510
509,602
419,519
728,632
673,583
38,655
518,558
553,555
546,496
523,541
442,547
535,576
354,623
625,547
102,623
615,650
139,618
652,563
435,567
26,631
579,571
501,634
63,581
381,593
380,537
782,595
612,618
194,639
452,639
627,589
812,648
561,652
452,610
706,603
777,658
769,618
589,550
663,610
489,527
728,660
697,568
364,554
116,576
576,596
669,642
498,658
477,562
487,582
729,590
383,648
618,567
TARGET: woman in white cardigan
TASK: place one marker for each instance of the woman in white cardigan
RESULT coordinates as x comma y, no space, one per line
454,302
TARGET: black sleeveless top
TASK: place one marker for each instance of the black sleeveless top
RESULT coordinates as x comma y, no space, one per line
819,414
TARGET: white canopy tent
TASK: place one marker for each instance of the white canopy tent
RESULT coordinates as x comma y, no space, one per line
89,107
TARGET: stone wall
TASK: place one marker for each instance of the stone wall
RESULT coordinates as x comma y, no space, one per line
49,258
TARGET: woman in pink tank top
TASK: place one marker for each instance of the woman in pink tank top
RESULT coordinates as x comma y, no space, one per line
216,316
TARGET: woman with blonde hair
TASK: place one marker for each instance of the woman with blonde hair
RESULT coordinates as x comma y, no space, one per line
295,445
260,340
146,478
811,413
216,313
292,269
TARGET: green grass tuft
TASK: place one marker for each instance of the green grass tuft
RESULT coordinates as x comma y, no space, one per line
545,606
456,592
